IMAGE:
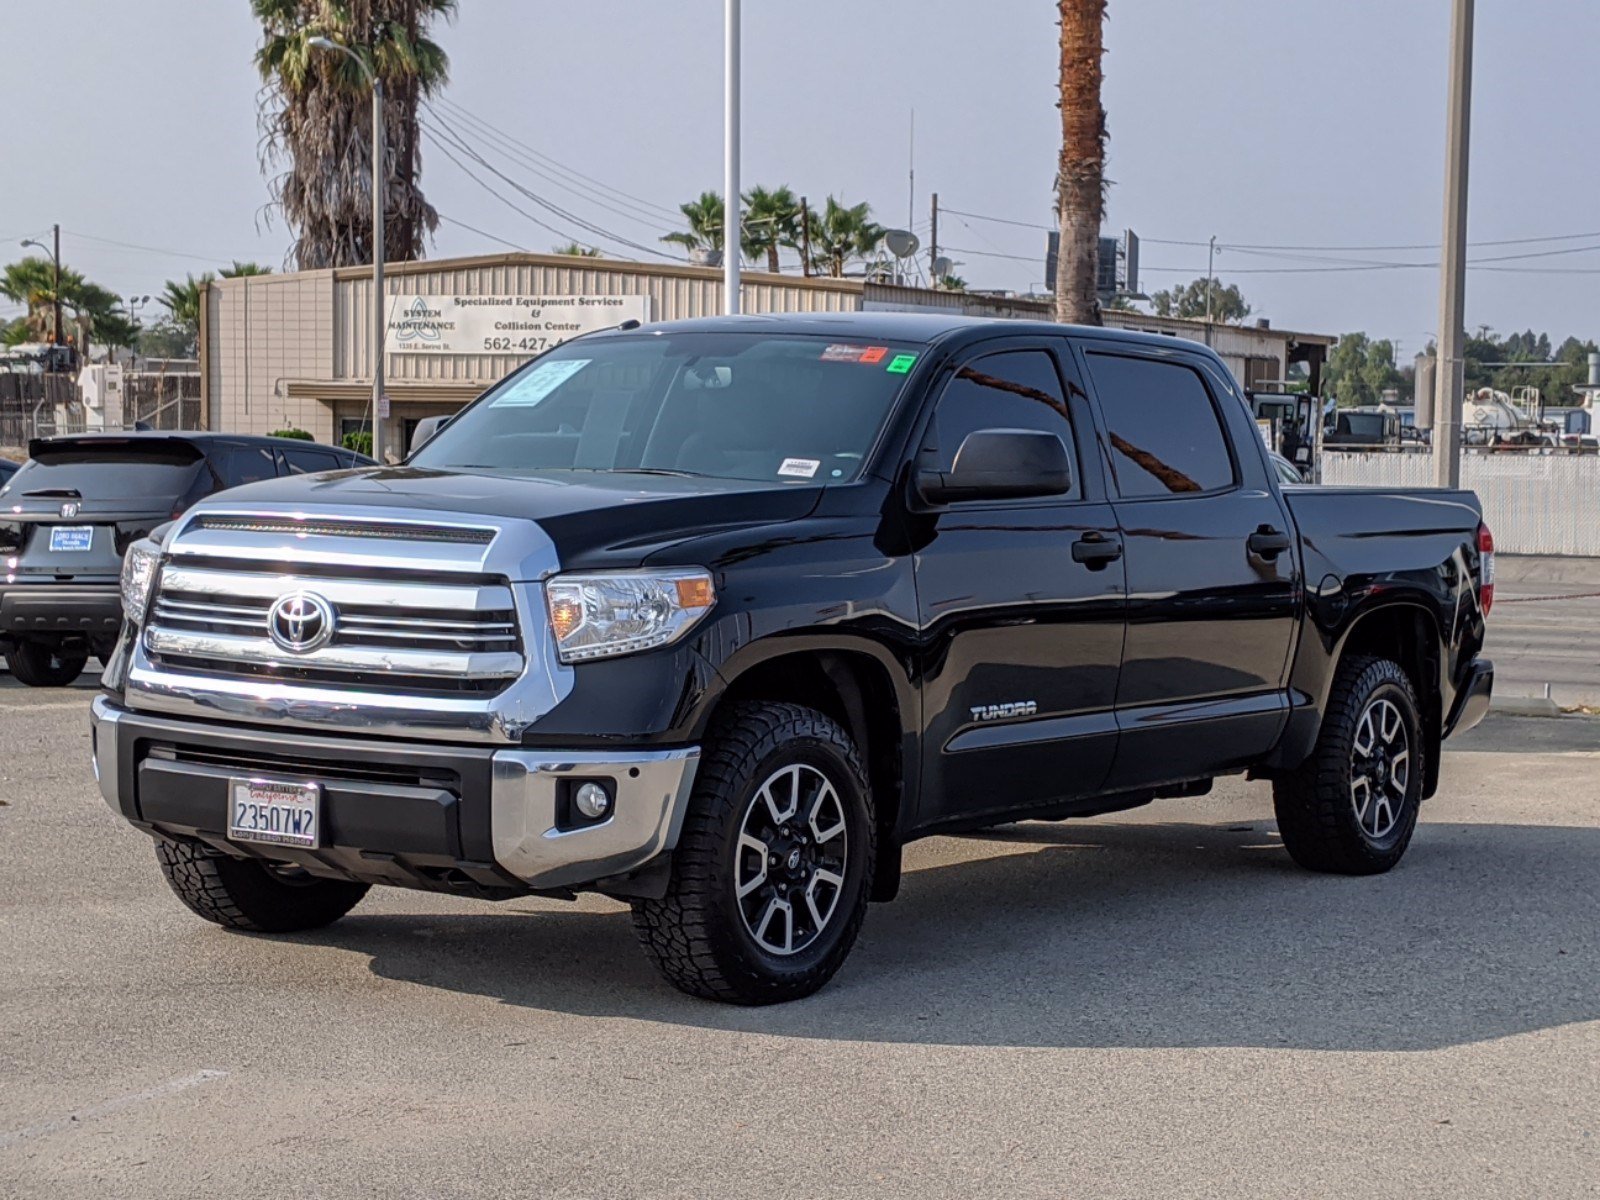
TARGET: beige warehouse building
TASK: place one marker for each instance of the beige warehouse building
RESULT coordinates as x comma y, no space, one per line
296,350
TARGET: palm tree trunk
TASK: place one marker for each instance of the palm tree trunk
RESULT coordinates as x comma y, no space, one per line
1080,175
772,258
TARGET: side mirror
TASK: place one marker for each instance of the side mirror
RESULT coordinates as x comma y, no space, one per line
427,428
998,464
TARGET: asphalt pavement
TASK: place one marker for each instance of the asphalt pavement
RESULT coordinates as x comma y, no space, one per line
1157,1004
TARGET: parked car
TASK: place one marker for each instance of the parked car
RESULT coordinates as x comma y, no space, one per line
1285,470
7,470
715,617
70,512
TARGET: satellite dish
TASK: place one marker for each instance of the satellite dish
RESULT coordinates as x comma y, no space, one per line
902,243
942,266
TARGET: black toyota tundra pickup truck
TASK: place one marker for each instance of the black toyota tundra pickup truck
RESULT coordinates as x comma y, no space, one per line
716,617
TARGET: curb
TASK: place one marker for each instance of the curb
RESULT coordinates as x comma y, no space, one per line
1525,706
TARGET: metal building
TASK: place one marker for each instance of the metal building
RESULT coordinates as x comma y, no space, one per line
295,350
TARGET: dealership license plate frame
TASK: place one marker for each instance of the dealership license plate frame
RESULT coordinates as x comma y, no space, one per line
71,539
281,812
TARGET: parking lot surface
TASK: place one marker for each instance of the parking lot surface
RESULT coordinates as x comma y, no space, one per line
1155,1004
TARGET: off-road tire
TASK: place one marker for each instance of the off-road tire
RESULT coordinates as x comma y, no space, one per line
241,894
38,664
696,935
1316,812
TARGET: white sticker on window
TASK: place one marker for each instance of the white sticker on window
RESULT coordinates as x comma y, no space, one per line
540,382
799,468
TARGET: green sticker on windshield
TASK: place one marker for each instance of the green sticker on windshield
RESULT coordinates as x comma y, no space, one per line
900,364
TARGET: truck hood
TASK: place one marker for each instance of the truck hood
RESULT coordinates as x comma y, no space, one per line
592,517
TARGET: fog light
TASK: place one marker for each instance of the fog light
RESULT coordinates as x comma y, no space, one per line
592,801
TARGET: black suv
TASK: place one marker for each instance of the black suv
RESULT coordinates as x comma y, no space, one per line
68,514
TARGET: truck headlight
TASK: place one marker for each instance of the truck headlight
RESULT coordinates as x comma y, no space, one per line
599,615
138,573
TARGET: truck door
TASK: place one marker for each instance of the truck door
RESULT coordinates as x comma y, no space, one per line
1021,604
1213,577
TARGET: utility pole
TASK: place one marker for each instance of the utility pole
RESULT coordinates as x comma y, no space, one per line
933,245
1450,382
55,287
731,238
1211,258
805,238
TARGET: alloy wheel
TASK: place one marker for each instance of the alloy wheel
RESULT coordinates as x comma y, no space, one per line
1380,768
791,859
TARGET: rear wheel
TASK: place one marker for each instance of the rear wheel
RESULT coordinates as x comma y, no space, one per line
41,664
772,872
248,895
1352,806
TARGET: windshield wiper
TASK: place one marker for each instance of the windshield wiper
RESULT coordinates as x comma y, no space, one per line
648,471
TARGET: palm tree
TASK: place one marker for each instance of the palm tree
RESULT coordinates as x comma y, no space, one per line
182,300
771,223
576,250
239,269
316,118
840,236
1080,174
95,310
704,216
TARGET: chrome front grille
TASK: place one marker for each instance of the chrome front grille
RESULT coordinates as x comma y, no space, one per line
389,631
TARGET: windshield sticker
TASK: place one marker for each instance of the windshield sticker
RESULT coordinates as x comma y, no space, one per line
540,382
856,354
800,468
900,364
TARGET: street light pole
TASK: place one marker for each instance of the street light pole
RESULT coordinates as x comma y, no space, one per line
380,323
731,232
1450,382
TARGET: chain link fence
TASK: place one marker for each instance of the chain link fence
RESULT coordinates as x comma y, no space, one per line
34,404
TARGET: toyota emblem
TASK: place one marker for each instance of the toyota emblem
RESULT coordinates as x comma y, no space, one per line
69,509
301,622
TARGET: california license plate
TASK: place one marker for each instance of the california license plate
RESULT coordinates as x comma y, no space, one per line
276,812
71,537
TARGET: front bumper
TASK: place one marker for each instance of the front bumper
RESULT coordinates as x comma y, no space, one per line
86,610
444,818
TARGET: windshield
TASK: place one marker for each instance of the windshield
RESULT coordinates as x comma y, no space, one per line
753,406
106,475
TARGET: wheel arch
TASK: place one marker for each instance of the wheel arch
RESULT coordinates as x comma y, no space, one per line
869,698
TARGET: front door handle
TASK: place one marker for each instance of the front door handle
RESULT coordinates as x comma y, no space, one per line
1096,550
1267,542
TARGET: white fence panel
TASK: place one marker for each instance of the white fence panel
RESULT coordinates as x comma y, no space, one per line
1535,503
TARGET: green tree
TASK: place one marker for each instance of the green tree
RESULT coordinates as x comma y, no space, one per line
951,283
1080,167
705,217
1228,304
96,313
182,302
1361,369
843,235
240,269
575,250
771,223
316,119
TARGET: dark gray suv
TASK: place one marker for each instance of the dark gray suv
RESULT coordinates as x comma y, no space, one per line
70,512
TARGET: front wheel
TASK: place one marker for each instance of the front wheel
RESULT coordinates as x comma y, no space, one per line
772,872
1352,806
253,896
40,664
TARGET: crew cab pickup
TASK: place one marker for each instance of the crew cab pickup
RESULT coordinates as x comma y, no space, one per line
716,616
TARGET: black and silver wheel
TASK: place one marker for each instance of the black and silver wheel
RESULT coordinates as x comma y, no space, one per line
794,850
1352,806
772,871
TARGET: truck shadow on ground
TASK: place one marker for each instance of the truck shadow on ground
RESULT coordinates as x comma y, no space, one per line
1137,936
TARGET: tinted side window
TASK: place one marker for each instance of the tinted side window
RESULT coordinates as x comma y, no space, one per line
1016,389
247,466
306,462
1166,435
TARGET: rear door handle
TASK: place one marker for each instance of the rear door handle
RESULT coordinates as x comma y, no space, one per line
1096,550
1267,542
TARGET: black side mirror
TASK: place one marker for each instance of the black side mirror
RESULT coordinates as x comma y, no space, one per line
998,464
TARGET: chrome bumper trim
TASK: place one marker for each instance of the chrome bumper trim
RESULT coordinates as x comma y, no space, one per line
652,795
103,737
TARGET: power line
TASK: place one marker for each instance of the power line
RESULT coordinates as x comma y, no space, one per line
480,232
555,165
89,237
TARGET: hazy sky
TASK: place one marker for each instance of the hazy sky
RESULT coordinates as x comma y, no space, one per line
1264,122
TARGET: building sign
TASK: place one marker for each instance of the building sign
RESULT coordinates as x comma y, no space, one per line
518,325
